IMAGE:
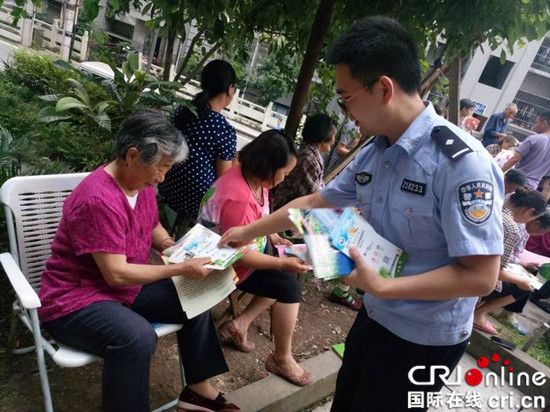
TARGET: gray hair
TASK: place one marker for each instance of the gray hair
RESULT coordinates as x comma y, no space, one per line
511,106
153,135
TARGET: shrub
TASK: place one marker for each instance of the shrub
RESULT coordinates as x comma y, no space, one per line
70,144
41,74
36,72
18,107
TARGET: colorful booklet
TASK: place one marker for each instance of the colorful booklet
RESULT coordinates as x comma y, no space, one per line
199,295
329,234
315,226
352,230
202,242
297,250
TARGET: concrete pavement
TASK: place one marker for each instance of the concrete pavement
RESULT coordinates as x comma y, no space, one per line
505,398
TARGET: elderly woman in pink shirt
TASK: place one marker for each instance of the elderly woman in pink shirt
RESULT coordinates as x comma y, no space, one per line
100,295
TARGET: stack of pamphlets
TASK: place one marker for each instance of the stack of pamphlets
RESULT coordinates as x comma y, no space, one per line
315,226
199,295
352,230
330,233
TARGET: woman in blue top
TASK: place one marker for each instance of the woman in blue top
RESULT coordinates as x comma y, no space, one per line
212,141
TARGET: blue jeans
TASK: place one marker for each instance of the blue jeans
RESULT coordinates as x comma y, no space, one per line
126,341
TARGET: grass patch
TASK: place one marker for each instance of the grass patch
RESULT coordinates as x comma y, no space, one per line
540,351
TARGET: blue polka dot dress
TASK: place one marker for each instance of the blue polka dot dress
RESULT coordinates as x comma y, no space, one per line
210,137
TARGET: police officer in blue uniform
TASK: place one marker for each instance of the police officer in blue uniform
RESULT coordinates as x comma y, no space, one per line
430,189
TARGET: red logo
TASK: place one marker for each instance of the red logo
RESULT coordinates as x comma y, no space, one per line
474,377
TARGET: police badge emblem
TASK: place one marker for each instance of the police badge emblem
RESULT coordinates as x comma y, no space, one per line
476,201
363,178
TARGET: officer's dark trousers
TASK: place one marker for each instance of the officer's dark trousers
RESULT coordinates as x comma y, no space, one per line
374,372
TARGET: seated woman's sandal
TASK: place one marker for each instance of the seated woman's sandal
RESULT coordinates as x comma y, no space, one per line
229,336
190,401
303,380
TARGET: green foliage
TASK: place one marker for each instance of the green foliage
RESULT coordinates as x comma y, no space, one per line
9,164
321,92
94,119
133,88
193,66
275,76
35,71
540,351
464,24
79,108
18,156
104,49
78,115
66,145
18,107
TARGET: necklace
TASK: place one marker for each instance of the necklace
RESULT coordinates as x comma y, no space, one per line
258,194
114,171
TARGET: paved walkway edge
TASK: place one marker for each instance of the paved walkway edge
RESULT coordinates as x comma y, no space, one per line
273,394
482,345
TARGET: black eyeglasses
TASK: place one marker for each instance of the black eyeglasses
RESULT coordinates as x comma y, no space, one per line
343,103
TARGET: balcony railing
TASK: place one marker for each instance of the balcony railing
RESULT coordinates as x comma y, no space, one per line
542,59
529,105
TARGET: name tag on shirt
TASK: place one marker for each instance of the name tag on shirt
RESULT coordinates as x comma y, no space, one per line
416,188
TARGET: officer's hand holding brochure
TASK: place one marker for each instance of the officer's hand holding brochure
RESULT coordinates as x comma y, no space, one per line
354,231
199,295
329,234
315,226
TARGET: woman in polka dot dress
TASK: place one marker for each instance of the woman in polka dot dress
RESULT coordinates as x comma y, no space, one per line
212,142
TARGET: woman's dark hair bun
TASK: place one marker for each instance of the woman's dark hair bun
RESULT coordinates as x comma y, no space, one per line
523,197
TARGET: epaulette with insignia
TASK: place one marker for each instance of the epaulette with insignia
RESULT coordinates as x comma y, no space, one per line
452,145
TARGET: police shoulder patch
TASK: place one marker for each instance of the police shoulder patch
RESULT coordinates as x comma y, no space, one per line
452,145
476,201
363,178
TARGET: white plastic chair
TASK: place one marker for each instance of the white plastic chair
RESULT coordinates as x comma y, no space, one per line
33,206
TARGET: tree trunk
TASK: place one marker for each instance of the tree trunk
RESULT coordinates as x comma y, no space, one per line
171,39
152,49
197,69
454,91
190,52
315,44
429,81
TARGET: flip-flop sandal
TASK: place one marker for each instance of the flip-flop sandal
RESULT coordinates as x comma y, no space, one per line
520,328
303,380
486,327
228,336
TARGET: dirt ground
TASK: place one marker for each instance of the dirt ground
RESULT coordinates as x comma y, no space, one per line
320,325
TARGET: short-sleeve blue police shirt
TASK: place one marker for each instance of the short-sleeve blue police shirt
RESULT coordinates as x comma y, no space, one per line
436,209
